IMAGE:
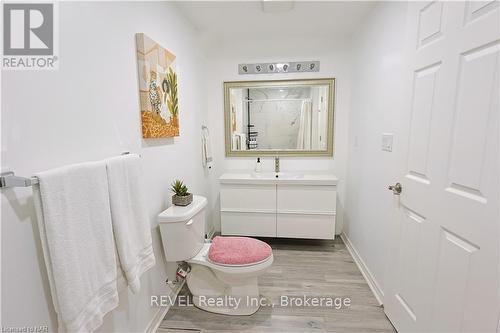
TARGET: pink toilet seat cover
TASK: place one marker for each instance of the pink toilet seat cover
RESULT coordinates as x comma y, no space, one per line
238,250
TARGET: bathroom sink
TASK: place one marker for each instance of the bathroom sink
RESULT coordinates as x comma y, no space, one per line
263,175
289,175
277,175
268,177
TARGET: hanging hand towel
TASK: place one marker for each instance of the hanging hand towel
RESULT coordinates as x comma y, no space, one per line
131,224
208,160
73,210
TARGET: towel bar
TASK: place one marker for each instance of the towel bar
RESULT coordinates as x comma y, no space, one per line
9,178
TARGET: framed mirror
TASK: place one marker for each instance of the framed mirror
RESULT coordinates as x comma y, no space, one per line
279,118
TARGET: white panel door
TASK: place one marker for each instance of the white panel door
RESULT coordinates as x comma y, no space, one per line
443,273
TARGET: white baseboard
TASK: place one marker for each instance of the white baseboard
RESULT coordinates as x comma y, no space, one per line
370,279
162,311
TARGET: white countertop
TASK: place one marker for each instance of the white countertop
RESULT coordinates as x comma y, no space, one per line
295,177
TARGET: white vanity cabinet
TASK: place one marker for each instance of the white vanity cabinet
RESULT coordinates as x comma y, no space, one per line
305,211
295,206
248,209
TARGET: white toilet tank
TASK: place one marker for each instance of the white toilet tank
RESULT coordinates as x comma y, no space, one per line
183,229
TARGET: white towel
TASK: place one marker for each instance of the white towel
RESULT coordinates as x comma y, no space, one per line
208,160
235,142
74,217
243,141
131,224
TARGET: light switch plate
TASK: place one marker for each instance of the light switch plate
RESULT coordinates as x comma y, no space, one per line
387,140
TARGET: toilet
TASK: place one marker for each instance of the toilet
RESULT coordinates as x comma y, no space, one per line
223,276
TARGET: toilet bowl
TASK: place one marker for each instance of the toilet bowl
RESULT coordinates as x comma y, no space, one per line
223,276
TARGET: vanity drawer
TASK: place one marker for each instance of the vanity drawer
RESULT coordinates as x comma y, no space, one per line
248,224
248,197
313,226
306,199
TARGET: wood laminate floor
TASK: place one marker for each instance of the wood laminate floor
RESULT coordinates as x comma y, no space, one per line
301,267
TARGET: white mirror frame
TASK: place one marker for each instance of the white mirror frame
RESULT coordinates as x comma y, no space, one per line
330,82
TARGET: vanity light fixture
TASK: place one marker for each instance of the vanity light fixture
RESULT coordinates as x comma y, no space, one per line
279,67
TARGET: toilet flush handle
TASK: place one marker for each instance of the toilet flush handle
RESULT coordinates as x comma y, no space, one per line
188,223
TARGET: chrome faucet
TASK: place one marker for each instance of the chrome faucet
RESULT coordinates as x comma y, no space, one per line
277,164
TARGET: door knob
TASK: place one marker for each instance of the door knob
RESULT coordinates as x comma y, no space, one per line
396,188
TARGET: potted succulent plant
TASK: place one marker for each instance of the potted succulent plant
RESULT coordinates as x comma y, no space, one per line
181,197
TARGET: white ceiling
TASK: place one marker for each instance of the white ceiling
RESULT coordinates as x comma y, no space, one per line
229,20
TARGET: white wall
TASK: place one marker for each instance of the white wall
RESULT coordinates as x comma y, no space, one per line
377,95
222,65
89,110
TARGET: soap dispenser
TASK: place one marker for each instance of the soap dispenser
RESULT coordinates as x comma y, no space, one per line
258,165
